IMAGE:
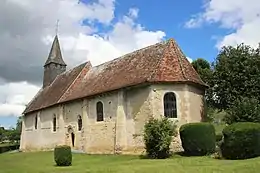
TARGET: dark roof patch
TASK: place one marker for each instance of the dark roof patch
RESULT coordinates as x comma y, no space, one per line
55,55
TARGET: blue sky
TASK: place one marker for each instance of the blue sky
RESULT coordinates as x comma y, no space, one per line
8,121
170,17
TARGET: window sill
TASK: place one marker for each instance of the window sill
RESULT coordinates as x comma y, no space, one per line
175,120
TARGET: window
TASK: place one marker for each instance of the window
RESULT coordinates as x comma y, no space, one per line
100,114
54,123
170,109
36,122
79,123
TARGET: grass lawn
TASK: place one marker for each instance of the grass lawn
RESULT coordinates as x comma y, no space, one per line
43,163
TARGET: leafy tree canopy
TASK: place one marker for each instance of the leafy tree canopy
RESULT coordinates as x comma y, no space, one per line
236,75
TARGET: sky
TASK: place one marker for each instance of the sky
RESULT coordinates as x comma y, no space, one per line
101,30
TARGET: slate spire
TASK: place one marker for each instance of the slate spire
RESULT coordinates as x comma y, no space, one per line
54,64
55,53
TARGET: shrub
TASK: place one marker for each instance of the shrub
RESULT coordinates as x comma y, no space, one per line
244,110
198,138
63,155
219,137
8,147
241,141
158,136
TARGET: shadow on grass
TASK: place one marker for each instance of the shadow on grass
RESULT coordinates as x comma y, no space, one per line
183,154
145,156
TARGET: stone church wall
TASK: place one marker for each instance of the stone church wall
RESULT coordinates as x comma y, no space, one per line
100,136
125,113
42,138
71,113
189,105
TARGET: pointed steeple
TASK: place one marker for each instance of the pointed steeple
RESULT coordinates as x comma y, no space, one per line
54,65
55,53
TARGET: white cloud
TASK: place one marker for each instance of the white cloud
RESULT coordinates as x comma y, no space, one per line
14,97
242,16
189,59
27,28
133,12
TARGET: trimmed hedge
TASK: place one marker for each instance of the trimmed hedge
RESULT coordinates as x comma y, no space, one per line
198,138
9,147
63,155
241,141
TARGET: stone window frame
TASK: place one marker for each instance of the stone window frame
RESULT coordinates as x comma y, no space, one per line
54,125
80,125
100,118
174,107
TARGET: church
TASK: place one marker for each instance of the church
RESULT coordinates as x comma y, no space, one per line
103,109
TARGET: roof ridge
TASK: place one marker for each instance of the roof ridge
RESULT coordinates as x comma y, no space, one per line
175,46
159,62
86,63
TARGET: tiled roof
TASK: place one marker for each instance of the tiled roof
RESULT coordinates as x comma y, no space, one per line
161,62
51,94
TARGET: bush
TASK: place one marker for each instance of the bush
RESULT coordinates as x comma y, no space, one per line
219,137
241,141
158,136
8,147
244,110
198,138
63,155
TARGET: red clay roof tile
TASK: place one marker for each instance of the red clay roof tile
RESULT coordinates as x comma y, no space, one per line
51,94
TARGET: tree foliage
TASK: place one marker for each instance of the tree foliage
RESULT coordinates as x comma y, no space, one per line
203,68
236,75
205,72
12,135
244,110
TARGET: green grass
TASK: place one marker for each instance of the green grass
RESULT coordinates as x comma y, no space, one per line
43,163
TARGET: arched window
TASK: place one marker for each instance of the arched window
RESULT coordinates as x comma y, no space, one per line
100,113
79,123
36,122
170,108
54,121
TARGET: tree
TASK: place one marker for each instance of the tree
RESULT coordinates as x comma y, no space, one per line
244,110
236,75
205,72
13,135
203,68
19,124
2,133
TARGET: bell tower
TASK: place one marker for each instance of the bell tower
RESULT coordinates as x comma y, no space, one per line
54,65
